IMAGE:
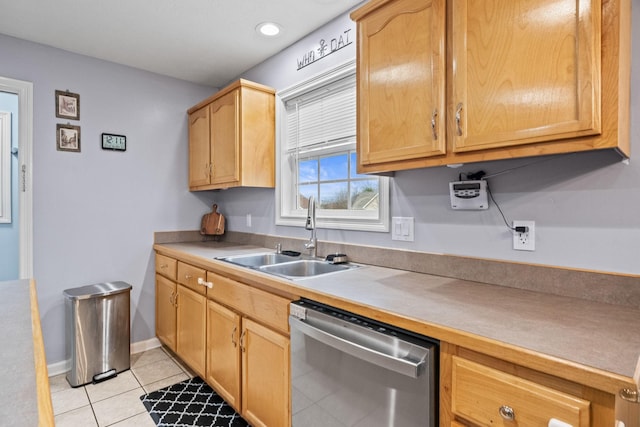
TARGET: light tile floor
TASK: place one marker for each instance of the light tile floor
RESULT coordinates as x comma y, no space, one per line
116,402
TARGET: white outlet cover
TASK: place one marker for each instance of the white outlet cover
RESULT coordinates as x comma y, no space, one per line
524,241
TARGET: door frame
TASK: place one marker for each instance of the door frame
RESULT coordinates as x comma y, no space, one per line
24,90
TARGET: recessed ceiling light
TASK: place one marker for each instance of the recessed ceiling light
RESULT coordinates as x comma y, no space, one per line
268,29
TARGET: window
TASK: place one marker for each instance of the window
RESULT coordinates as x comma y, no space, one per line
316,157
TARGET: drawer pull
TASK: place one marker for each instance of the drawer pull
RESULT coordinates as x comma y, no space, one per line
202,282
459,119
507,413
188,276
163,266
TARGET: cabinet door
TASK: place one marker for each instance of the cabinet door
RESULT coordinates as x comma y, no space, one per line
265,376
225,142
166,311
524,72
401,82
223,352
191,328
199,147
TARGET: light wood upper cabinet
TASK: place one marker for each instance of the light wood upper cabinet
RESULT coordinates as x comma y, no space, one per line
401,82
525,71
232,138
199,148
522,78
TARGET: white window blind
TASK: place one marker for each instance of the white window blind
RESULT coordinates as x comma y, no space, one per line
323,118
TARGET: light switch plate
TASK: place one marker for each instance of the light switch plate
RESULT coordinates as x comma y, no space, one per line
402,228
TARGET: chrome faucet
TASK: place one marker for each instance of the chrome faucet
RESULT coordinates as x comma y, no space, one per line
312,244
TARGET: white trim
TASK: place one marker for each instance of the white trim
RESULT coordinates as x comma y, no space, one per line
24,90
136,347
5,167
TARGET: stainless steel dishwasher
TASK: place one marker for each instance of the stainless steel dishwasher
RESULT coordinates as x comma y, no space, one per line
347,370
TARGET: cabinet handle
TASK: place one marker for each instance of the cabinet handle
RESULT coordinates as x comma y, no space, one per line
175,300
233,334
187,276
172,298
242,340
202,282
459,118
507,413
434,130
163,266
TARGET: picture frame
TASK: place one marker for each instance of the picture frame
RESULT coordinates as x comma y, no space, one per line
67,137
67,105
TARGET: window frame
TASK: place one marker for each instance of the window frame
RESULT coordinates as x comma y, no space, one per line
286,213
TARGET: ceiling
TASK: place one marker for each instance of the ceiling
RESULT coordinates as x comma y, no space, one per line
209,42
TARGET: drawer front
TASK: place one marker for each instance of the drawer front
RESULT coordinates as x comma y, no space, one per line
487,396
268,309
188,276
166,266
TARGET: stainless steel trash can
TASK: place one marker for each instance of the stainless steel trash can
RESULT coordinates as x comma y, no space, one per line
97,331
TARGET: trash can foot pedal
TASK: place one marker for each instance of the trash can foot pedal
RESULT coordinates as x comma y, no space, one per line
98,378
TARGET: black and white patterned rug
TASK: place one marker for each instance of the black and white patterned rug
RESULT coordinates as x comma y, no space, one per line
190,403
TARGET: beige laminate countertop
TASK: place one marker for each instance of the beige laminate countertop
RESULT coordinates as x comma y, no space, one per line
26,400
593,343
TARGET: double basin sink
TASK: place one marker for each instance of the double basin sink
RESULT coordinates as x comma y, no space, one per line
290,267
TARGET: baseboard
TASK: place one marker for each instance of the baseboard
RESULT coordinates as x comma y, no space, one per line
136,347
140,346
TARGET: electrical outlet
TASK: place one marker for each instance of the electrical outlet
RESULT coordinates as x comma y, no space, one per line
526,240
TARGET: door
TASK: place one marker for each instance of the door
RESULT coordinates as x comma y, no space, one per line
524,71
9,223
401,82
191,328
23,208
225,139
265,376
223,352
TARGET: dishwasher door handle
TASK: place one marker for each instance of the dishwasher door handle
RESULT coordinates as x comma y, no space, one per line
405,367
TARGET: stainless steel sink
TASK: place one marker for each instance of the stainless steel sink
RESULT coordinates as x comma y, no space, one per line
304,268
291,267
259,260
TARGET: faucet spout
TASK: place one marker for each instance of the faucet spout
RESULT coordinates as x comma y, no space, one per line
310,224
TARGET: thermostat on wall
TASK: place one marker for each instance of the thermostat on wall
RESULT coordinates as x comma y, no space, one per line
469,195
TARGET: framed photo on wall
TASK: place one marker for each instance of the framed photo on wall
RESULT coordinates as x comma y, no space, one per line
67,137
67,105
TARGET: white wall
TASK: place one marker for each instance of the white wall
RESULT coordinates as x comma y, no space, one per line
95,211
585,205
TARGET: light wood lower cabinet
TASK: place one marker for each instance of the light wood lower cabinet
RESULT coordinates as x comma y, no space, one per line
477,390
248,350
265,375
191,328
488,397
223,352
166,311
